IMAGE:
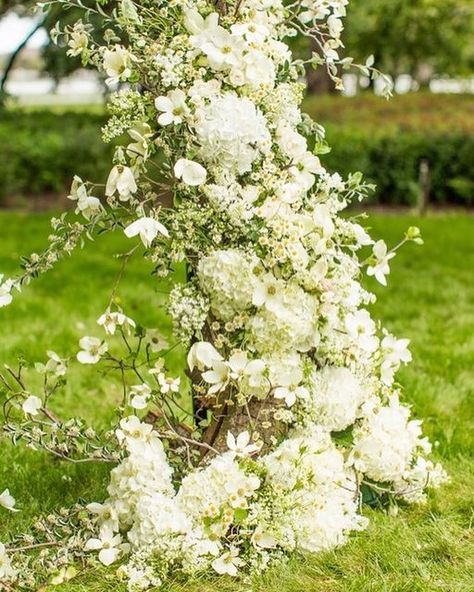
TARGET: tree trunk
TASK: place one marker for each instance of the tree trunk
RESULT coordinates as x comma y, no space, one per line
14,56
256,417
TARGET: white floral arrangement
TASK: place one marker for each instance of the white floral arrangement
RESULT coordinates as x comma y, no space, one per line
295,413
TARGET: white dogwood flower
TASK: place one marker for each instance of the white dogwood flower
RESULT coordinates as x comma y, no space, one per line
263,540
5,292
55,365
202,29
139,396
241,446
290,393
361,328
131,428
396,349
203,355
6,569
108,544
218,376
77,43
228,563
111,320
267,291
117,64
305,169
107,515
147,228
121,180
252,31
191,172
241,367
173,107
380,269
92,350
32,405
223,50
87,205
168,384
7,501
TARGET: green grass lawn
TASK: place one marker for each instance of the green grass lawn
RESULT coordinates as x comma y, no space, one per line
430,299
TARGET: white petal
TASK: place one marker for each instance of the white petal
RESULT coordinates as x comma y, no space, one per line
93,545
163,104
231,444
108,556
166,119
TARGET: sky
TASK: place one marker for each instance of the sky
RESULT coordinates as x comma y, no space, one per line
14,29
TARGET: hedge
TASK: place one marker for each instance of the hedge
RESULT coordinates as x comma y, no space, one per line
42,149
388,140
392,163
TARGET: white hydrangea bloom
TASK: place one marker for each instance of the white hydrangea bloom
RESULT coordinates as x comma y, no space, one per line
227,278
316,490
336,395
385,442
288,322
230,131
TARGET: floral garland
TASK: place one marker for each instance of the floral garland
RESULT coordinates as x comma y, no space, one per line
296,412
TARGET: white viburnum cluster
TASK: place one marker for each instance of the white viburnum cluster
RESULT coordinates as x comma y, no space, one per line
272,312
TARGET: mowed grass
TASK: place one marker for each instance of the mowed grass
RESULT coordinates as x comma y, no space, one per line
430,299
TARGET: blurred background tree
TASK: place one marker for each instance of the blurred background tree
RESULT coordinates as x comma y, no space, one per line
23,7
54,60
422,38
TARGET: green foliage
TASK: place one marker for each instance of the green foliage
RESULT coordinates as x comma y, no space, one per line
426,549
42,149
387,141
417,37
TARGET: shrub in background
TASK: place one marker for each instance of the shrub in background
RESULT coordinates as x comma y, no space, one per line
388,140
42,148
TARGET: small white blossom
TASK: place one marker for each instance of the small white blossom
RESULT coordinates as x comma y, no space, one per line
7,501
32,405
147,228
109,545
228,563
87,205
92,350
381,268
192,173
203,355
168,384
173,108
241,446
121,180
289,391
111,320
218,376
55,364
139,396
5,292
361,328
6,570
117,64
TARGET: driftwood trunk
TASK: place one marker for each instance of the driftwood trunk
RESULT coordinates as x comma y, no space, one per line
256,418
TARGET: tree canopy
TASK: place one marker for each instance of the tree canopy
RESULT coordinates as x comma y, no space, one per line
416,37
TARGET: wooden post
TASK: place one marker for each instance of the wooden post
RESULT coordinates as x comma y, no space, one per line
425,187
